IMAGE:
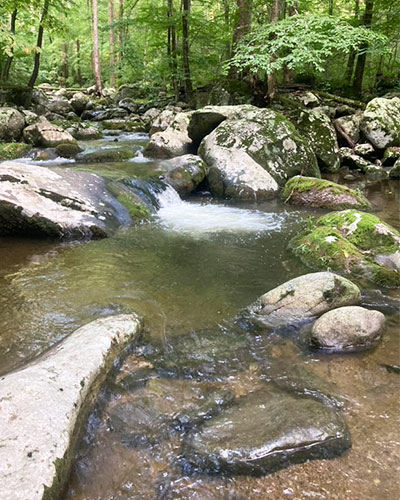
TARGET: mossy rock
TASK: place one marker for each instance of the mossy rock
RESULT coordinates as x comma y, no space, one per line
136,208
322,193
13,150
125,125
351,242
106,155
68,150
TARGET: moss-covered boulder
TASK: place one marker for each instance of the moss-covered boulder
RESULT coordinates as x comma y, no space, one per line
12,123
184,173
125,125
13,150
130,200
68,150
322,193
263,139
317,128
381,122
395,170
106,155
352,242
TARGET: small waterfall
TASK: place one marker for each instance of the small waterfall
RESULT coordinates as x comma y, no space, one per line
169,197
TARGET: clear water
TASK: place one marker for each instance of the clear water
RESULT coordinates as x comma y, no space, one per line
191,269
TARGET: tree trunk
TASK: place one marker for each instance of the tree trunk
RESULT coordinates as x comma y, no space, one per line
172,52
121,30
112,41
362,56
96,52
352,54
7,67
39,45
189,95
288,74
65,72
227,15
330,8
78,62
272,82
243,16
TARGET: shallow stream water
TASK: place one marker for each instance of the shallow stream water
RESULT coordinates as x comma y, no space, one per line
189,273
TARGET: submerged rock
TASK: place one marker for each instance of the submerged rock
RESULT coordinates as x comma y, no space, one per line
59,203
44,407
106,155
381,122
184,173
354,243
347,329
322,193
308,296
266,431
12,123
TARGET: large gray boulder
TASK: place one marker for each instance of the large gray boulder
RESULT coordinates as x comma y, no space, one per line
309,295
381,122
60,107
173,141
184,173
163,121
45,405
12,123
45,134
265,431
350,125
347,329
79,102
59,203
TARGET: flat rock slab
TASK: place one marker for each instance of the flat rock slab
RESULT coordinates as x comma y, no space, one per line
266,431
44,406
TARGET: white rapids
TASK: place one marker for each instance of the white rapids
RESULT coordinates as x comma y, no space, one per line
197,219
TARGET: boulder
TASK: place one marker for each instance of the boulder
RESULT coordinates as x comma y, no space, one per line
30,117
266,431
364,150
317,128
162,121
184,173
127,125
12,123
263,139
106,155
322,193
43,133
395,170
347,329
174,141
68,150
150,116
381,122
352,242
350,125
129,104
44,407
390,156
308,296
60,107
79,102
85,133
59,203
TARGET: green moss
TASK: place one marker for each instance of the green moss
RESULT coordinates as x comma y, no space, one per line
366,231
136,211
13,150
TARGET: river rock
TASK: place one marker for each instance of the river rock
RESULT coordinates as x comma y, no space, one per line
150,116
129,104
381,122
162,121
347,329
12,123
68,150
60,107
184,173
79,102
350,125
46,134
309,295
322,193
266,431
351,242
265,139
85,133
106,155
127,125
58,203
317,128
173,141
395,170
44,407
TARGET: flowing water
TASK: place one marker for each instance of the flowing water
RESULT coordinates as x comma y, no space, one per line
188,273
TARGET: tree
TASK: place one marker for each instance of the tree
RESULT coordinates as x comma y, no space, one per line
189,94
362,54
96,52
352,54
111,15
39,44
10,57
274,18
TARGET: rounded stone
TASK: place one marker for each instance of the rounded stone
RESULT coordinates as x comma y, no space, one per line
347,328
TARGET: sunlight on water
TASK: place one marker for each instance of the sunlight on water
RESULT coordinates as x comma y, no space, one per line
197,219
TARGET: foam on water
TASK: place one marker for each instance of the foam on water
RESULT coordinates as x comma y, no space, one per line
197,219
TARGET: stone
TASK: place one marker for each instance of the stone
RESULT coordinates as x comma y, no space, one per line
394,172
173,141
308,296
317,128
86,133
162,121
323,194
12,123
107,155
150,116
123,124
264,432
79,102
129,104
46,134
347,329
381,122
44,407
351,125
68,150
267,138
30,117
13,150
59,203
59,106
390,156
351,242
364,150
184,173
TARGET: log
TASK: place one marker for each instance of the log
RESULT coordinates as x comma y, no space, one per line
341,100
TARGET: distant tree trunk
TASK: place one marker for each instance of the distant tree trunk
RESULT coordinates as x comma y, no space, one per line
362,56
352,54
274,18
244,17
39,45
65,72
330,8
7,67
112,41
186,5
78,62
227,15
288,74
96,52
120,30
172,52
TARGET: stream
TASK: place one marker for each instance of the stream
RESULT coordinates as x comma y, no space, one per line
190,272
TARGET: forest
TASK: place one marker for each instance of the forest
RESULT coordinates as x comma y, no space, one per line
178,47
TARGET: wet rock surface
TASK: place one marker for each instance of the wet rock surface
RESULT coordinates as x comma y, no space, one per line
184,173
